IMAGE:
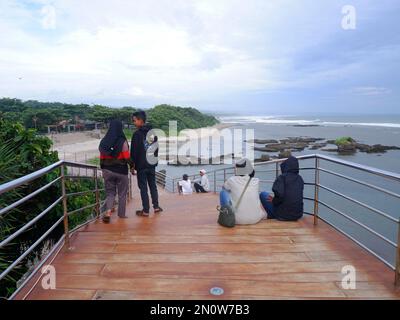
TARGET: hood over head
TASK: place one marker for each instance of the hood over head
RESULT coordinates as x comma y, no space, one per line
291,164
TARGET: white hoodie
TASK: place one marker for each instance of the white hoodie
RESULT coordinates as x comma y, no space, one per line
249,211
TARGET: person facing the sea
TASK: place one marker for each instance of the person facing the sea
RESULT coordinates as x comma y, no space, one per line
249,210
202,185
114,162
287,202
144,153
185,185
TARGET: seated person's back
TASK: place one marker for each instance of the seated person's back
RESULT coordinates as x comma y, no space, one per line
249,210
288,190
185,185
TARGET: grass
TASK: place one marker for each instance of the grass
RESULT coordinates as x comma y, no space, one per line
94,161
343,141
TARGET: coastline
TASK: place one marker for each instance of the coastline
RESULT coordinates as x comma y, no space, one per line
82,146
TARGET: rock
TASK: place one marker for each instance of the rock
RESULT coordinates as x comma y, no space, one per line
318,146
284,154
264,141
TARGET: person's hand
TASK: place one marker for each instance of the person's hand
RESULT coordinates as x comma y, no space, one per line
133,172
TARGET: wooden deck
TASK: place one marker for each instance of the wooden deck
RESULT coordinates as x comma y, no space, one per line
182,253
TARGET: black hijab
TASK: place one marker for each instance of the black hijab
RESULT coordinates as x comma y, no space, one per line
114,139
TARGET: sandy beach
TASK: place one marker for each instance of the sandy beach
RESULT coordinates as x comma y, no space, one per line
82,146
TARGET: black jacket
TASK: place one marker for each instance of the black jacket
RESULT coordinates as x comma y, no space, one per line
138,150
288,189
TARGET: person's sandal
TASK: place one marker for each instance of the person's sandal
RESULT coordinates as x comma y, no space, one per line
142,213
158,210
107,216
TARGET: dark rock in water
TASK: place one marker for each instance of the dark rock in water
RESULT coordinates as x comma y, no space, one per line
284,154
301,140
264,158
347,148
264,141
376,148
330,149
316,146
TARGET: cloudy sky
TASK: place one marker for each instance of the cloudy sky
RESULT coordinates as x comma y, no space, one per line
282,56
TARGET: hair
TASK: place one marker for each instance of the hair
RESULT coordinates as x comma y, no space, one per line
185,177
140,114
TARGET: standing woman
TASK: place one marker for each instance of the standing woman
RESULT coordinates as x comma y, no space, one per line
114,162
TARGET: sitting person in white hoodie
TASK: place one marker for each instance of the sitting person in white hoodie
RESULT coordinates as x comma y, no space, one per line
249,210
202,185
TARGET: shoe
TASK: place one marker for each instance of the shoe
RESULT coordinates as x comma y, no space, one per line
107,216
158,210
142,213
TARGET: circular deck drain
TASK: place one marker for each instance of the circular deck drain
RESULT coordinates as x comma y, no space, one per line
216,291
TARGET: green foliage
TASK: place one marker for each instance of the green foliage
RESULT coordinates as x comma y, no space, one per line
344,141
35,114
22,151
187,118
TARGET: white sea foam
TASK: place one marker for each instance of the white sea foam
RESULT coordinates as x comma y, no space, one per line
282,120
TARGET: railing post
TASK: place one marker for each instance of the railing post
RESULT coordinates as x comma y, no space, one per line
96,183
397,275
215,181
65,207
173,185
316,191
224,174
276,169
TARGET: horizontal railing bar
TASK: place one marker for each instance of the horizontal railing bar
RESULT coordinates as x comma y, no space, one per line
358,242
73,194
30,249
78,177
56,247
80,165
30,223
360,182
28,178
81,209
359,224
83,224
375,171
29,196
360,203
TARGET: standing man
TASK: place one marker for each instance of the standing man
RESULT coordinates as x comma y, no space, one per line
202,185
144,153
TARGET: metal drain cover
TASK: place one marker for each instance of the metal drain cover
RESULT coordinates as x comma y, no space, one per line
216,291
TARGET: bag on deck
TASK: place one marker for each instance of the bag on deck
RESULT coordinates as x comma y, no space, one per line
226,216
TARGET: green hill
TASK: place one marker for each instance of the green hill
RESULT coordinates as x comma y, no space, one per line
35,114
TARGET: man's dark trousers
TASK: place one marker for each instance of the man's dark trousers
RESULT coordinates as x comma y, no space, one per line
146,177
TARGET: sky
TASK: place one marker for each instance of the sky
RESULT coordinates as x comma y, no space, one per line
225,56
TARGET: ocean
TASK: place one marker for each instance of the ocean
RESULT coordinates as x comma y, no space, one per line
368,129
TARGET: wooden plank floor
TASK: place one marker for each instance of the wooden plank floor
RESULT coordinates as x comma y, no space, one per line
182,253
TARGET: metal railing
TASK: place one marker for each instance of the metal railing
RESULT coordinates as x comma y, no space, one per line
62,177
218,177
